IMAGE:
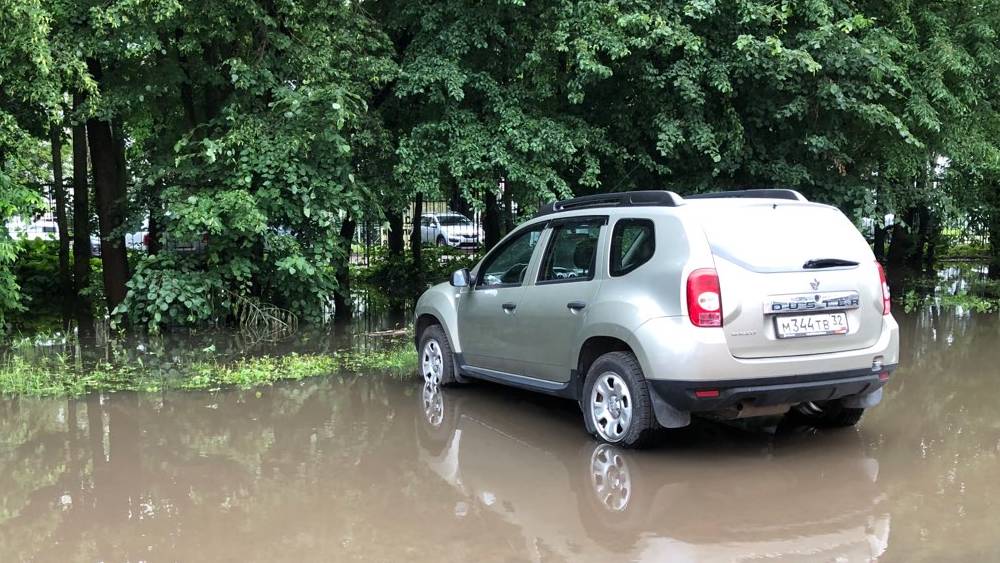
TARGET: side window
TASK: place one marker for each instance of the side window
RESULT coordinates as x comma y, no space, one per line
632,245
571,253
506,266
425,221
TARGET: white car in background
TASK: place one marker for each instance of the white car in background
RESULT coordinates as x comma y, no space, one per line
36,230
452,229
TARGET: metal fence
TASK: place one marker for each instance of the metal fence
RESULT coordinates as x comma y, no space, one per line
966,229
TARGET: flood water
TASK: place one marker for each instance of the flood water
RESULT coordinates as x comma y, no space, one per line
375,468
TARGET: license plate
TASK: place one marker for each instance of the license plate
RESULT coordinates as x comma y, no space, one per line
797,326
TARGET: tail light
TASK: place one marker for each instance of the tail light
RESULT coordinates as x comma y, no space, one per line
145,240
886,303
704,300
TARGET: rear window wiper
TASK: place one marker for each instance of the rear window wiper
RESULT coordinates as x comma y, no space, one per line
819,263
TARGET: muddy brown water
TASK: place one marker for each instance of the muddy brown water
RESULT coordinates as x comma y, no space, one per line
374,468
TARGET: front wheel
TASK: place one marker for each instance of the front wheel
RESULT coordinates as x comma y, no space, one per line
615,401
437,362
830,414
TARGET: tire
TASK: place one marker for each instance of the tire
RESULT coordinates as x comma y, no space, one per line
441,241
435,358
827,414
615,386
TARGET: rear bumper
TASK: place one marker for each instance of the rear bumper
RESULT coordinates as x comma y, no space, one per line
681,395
670,348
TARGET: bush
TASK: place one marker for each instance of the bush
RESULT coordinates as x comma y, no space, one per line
36,271
951,250
397,277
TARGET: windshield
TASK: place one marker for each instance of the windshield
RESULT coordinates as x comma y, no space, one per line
453,220
782,238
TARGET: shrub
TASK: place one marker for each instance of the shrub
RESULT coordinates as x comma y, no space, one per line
395,276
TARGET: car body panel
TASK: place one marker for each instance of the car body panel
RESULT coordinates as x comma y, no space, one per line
544,316
494,342
440,302
670,348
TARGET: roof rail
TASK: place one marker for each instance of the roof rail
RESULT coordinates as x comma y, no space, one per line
765,193
645,198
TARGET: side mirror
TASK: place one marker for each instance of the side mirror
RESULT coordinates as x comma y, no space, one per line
461,278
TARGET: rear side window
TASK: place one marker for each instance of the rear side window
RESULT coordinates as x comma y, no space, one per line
632,245
571,253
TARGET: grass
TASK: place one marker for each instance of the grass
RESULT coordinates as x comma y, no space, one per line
962,251
913,300
55,377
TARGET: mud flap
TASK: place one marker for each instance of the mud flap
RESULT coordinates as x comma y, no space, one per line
667,415
865,401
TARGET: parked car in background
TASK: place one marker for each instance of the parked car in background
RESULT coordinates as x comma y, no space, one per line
138,240
36,230
646,307
452,229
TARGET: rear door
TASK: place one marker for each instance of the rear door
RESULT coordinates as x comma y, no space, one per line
795,278
552,310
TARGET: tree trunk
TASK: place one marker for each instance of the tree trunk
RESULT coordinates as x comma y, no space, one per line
110,200
508,217
415,241
395,233
343,310
153,233
458,203
491,221
81,227
994,269
932,235
901,245
879,241
923,235
65,281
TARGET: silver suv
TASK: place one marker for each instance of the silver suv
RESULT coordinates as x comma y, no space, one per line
646,307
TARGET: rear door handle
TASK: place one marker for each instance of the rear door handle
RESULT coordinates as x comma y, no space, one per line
576,305
509,307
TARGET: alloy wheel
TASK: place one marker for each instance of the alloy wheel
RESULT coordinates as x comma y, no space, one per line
432,362
611,406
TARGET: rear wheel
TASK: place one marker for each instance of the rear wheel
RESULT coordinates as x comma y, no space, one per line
615,401
826,413
437,362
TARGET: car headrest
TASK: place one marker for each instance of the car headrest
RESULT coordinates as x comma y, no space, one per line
583,254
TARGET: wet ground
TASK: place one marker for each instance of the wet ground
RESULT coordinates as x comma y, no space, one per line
374,468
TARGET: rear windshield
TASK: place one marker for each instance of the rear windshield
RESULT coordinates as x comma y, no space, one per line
782,237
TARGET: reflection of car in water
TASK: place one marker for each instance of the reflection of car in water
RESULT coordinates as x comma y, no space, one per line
724,496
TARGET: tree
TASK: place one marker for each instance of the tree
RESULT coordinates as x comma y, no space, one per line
26,98
270,94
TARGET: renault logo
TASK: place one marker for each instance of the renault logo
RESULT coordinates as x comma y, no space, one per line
814,284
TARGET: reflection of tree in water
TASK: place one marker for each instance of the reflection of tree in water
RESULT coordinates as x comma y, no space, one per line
938,433
304,471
